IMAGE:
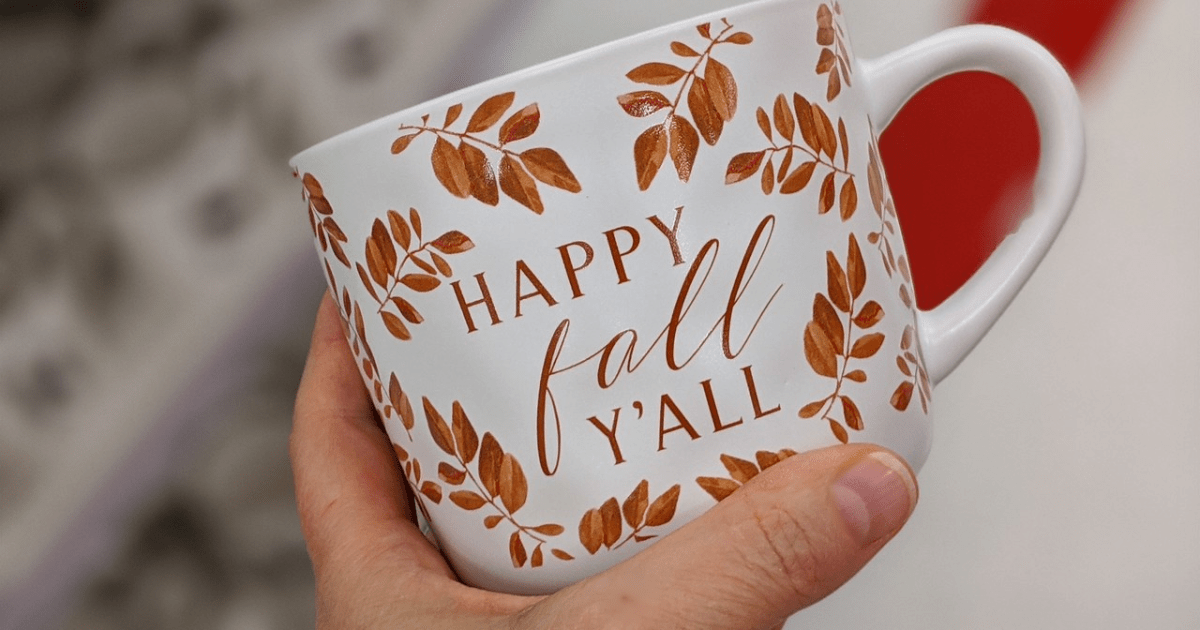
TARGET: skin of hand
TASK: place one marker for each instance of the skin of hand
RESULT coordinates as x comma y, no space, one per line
784,541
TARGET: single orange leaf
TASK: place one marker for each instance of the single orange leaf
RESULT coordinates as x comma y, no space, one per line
643,102
490,111
868,346
518,185
656,73
663,509
520,125
649,152
548,167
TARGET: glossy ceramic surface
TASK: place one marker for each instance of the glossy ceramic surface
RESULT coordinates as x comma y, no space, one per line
595,297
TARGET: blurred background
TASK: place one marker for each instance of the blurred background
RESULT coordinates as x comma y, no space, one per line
157,285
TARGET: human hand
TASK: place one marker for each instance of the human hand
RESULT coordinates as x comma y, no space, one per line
785,540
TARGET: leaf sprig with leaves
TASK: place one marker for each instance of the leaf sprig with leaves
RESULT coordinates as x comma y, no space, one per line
500,483
604,527
822,144
830,343
386,269
711,101
740,472
320,218
460,158
910,364
835,58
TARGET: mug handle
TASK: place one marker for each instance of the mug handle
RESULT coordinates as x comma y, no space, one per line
952,329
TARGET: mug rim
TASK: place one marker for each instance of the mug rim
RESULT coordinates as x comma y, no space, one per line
536,70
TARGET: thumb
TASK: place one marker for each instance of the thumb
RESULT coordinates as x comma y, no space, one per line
788,538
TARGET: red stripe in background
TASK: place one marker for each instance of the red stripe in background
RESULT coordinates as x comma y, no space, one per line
965,149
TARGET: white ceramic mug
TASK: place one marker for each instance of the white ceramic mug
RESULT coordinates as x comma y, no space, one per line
592,298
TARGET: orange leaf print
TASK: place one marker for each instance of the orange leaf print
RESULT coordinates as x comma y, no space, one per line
396,326
684,144
743,166
764,123
432,491
643,103
451,475
768,178
467,500
870,315
807,120
480,174
400,229
718,488
740,470
827,193
819,351
683,50
740,38
514,489
549,529
856,268
383,242
442,435
902,396
449,168
452,242
401,143
827,61
656,73
420,283
867,347
836,280
839,432
591,531
549,168
491,457
663,509
517,184
785,122
799,179
852,415
708,120
520,125
829,322
610,516
849,199
490,112
465,438
721,88
835,86
312,186
812,409
635,506
377,263
649,152
408,311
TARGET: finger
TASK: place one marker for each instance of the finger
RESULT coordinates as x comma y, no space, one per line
350,493
788,538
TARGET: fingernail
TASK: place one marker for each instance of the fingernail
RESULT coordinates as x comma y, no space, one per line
875,497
